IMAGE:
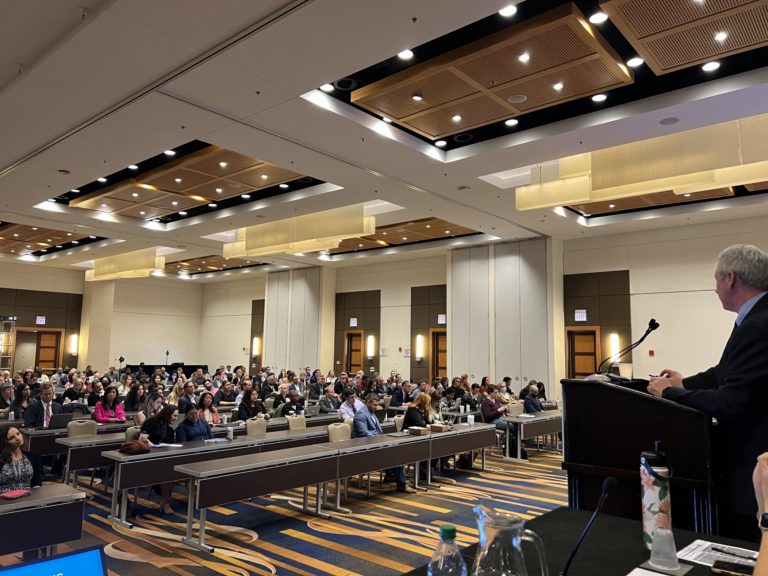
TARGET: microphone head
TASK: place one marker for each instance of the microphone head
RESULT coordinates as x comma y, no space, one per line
609,484
653,324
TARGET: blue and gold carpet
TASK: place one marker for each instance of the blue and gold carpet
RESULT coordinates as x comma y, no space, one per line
386,534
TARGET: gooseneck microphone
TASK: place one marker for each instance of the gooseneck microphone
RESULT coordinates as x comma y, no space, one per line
608,485
652,325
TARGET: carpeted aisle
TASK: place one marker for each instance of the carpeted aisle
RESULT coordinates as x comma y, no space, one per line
387,534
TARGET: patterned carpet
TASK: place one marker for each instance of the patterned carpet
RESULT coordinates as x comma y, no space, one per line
387,534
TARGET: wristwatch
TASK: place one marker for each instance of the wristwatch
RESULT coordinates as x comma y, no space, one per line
764,521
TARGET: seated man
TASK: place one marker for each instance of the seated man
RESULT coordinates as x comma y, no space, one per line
292,405
192,427
366,424
226,395
493,411
329,402
402,395
351,404
532,403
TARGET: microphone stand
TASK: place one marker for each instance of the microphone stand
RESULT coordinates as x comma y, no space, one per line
652,325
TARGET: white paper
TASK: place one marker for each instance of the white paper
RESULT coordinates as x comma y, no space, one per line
163,444
701,552
642,572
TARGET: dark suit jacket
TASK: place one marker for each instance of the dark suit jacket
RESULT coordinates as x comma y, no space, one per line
735,392
34,417
532,404
399,398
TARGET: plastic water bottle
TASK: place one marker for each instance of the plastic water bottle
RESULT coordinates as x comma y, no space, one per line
447,560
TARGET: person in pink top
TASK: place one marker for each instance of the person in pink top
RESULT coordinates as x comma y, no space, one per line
109,409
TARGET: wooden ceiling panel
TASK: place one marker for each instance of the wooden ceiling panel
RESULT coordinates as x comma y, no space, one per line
143,212
220,189
675,34
207,264
232,162
186,179
174,203
475,80
274,175
104,204
657,199
135,194
757,186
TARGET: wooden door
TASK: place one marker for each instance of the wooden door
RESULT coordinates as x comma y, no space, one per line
353,351
438,354
583,349
47,356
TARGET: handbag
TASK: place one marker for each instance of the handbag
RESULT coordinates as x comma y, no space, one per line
133,447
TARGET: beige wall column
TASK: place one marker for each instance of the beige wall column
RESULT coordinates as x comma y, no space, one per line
96,324
327,318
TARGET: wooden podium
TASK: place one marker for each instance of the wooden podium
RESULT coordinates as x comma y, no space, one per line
607,426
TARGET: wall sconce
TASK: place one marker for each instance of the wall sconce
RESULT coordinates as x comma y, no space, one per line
614,345
256,346
73,345
419,347
370,346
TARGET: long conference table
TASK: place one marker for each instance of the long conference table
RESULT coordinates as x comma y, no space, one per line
532,425
230,479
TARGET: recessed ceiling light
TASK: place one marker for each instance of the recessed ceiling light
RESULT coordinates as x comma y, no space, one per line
635,62
559,86
611,206
429,225
687,195
383,233
104,206
511,122
212,205
169,152
142,213
43,250
447,231
182,213
75,242
327,87
405,237
508,11
598,17
75,190
417,97
52,200
135,194
177,180
15,235
48,240
174,203
284,186
711,66
132,167
387,120
599,98
524,57
92,237
263,176
456,118
219,190
721,36
441,143
58,246
34,227
245,196
69,233
222,164
405,55
359,245
102,179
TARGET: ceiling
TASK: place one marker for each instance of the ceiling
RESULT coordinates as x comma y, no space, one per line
137,77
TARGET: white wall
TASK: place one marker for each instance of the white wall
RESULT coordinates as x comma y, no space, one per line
22,276
225,323
671,280
153,315
394,280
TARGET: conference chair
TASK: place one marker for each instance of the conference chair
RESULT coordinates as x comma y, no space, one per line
132,433
256,426
269,402
338,432
385,402
80,428
296,422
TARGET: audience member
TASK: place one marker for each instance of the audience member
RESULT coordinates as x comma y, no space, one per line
6,397
109,409
188,398
22,400
208,410
193,427
329,402
226,395
16,469
350,405
38,415
152,406
251,406
135,399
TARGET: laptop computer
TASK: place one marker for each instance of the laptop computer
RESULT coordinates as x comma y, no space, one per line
59,420
313,410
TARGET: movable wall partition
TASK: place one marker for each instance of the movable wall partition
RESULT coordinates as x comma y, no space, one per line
429,307
358,331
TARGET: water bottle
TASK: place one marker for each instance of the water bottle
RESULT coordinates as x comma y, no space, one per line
230,433
447,560
655,474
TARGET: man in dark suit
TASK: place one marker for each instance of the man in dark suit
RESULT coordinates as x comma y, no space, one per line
188,398
736,390
38,415
402,395
365,424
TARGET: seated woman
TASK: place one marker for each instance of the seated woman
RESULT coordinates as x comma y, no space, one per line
177,392
193,427
418,412
77,393
22,400
6,397
152,406
135,398
125,384
109,409
208,411
16,469
251,406
159,429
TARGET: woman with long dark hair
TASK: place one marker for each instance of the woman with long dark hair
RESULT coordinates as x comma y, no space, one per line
250,406
135,398
16,469
208,411
109,409
152,406
21,401
159,429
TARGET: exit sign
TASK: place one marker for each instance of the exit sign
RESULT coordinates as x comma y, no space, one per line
580,316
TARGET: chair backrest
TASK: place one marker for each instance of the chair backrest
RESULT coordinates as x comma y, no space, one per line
256,426
339,431
82,428
296,422
132,433
515,409
399,422
385,402
269,402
